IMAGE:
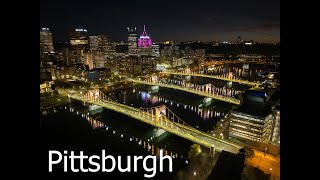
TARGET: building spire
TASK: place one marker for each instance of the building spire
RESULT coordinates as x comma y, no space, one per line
144,33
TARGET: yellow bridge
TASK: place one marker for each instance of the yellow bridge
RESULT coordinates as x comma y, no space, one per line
206,91
226,77
160,117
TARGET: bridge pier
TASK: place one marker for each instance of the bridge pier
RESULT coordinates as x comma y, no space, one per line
153,88
93,109
229,84
187,78
158,132
207,101
69,99
213,150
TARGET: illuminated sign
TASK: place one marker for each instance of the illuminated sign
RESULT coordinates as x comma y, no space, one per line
81,30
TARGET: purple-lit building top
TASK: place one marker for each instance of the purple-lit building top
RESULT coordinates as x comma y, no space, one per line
144,40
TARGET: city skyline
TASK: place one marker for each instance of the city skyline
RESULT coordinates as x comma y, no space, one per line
207,21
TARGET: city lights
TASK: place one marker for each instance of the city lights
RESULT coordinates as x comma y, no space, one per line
206,99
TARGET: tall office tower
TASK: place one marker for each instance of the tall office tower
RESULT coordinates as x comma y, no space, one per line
102,50
132,41
129,66
93,43
79,41
63,52
106,46
145,44
104,43
88,59
155,50
149,64
46,44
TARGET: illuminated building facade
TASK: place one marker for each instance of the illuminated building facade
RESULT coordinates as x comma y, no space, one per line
101,50
129,66
249,128
199,55
132,41
155,50
88,59
145,44
276,125
149,64
93,43
252,123
46,44
79,41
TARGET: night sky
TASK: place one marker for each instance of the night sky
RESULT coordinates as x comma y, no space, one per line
176,20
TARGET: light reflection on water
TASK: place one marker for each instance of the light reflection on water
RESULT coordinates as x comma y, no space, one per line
148,143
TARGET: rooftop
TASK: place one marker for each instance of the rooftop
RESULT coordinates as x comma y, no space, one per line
255,109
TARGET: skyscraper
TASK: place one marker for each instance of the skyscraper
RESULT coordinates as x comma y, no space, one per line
79,43
104,43
129,66
132,40
155,50
101,49
88,59
145,43
46,44
93,43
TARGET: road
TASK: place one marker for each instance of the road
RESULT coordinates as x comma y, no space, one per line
266,163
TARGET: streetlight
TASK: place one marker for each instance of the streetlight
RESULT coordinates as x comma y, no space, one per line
194,173
265,151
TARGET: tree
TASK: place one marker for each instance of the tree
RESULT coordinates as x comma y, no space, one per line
195,150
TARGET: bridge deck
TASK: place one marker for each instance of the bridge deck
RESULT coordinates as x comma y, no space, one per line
213,77
186,132
190,90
